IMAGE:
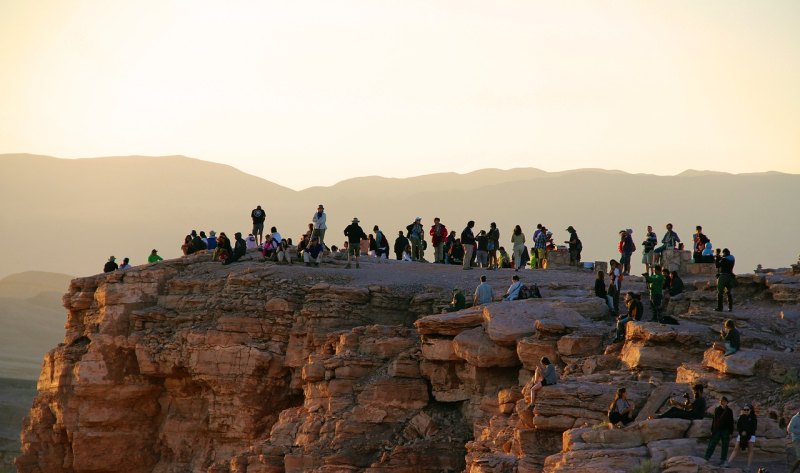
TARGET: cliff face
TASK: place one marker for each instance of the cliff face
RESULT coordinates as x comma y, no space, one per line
187,365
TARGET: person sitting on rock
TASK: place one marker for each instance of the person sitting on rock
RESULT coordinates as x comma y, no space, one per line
503,260
746,427
283,255
223,249
623,319
721,428
513,291
111,265
655,287
197,243
126,263
251,242
187,247
239,249
459,301
545,375
313,252
731,337
483,293
637,311
211,241
699,239
621,409
708,254
153,258
614,285
673,285
600,287
688,409
269,248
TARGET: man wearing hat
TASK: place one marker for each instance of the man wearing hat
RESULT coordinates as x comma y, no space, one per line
415,235
354,234
110,265
318,221
575,247
721,428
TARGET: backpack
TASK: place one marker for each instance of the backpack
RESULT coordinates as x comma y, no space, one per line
524,292
579,245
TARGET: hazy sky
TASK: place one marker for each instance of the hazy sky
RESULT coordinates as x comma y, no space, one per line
311,92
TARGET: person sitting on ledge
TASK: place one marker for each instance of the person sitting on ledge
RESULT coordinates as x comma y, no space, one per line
731,337
459,301
621,409
688,409
313,252
545,375
483,293
513,291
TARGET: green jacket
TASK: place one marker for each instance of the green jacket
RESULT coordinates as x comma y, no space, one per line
655,284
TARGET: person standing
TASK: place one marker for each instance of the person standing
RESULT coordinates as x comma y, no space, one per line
438,234
746,427
483,293
655,287
400,244
319,221
493,245
414,235
628,247
648,245
354,234
468,242
258,216
725,279
111,265
793,428
539,247
153,258
482,244
721,428
518,244
614,285
575,247
381,244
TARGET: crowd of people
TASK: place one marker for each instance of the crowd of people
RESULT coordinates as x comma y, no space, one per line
483,250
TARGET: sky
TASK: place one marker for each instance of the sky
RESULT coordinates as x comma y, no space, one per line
309,93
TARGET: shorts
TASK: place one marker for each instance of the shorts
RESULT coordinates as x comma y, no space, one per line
743,446
648,257
258,228
354,250
541,253
544,383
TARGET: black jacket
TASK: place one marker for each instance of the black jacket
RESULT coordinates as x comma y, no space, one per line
354,234
747,424
467,237
723,419
240,248
400,244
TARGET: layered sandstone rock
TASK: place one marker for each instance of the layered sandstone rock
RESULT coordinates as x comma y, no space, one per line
188,365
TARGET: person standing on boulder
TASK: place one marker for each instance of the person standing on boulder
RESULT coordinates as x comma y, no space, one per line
726,280
258,216
319,221
414,235
655,287
354,234
438,234
721,428
648,245
575,247
400,244
494,243
468,242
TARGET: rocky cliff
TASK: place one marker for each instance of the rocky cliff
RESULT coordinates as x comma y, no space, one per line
187,365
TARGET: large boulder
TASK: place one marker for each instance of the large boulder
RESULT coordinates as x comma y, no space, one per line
507,322
476,348
450,323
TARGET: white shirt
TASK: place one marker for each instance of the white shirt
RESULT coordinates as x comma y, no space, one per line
319,221
277,237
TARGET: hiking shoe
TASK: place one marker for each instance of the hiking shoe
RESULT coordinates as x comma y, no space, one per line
725,464
348,266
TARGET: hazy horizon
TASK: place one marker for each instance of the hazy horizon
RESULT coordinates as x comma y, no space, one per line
314,93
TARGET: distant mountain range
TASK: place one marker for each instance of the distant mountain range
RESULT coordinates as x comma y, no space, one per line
69,216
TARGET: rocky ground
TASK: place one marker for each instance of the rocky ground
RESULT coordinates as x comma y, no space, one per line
188,365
